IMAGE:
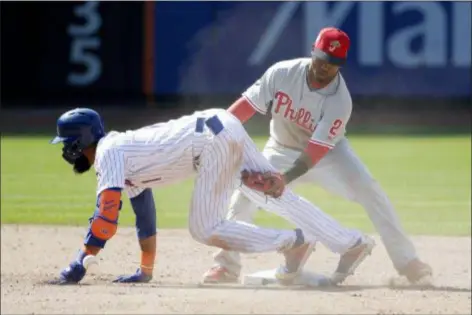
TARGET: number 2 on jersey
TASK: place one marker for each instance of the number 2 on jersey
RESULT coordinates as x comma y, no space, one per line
334,128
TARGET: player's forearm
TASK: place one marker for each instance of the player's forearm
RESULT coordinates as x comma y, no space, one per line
104,223
148,254
300,167
310,157
145,210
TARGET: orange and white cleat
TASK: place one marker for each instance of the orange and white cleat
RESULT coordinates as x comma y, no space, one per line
219,274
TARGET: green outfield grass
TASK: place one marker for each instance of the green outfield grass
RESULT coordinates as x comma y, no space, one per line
427,178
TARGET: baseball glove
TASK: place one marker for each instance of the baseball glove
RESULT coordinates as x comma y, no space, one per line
271,184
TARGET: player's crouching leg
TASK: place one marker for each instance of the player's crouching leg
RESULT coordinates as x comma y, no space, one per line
227,266
245,238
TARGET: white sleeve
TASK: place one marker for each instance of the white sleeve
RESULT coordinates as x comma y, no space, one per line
110,170
261,93
332,126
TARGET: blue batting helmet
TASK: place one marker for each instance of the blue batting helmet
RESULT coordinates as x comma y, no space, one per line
77,129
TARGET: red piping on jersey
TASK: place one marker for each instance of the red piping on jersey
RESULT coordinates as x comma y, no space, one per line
320,143
242,109
316,151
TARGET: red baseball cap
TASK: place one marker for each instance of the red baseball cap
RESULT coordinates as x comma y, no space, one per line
331,45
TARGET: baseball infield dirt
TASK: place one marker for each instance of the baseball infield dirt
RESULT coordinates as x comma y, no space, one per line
32,255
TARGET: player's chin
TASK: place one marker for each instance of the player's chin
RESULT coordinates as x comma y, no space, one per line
321,78
81,165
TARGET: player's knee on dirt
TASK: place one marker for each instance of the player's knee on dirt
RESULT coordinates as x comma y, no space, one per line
201,233
145,211
216,241
104,223
197,233
210,240
209,234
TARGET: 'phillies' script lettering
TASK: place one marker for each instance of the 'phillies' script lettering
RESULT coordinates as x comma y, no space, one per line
301,117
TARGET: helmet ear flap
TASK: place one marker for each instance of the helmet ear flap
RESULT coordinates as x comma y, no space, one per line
87,137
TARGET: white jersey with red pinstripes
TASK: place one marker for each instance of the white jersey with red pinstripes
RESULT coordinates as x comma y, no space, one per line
300,113
152,156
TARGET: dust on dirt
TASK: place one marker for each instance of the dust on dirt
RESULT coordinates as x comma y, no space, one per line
32,255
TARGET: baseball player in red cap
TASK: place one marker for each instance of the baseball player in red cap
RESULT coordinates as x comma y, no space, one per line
310,106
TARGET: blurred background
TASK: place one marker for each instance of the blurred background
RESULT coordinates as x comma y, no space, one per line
409,67
408,70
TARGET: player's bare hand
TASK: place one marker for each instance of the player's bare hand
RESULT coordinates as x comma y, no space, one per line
269,183
138,277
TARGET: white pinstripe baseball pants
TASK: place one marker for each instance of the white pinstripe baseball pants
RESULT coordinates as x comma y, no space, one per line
221,162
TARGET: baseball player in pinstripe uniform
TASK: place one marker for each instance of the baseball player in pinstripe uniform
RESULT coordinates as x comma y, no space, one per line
214,146
310,106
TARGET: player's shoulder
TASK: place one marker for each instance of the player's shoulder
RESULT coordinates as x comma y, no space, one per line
109,146
341,93
343,90
339,99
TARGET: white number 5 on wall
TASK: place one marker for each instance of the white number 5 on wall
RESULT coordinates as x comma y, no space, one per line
85,43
